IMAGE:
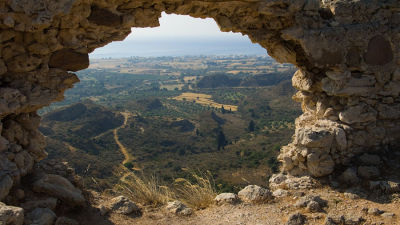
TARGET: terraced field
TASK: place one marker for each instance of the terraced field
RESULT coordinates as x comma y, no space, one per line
204,99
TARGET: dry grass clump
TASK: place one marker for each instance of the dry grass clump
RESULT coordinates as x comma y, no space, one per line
144,189
198,192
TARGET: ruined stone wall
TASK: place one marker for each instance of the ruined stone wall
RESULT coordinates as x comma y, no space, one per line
347,53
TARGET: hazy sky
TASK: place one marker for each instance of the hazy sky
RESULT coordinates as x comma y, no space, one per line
179,36
182,27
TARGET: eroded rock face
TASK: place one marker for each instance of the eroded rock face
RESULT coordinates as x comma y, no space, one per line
347,53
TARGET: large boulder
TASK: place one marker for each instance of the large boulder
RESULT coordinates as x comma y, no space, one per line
279,193
255,194
11,215
59,187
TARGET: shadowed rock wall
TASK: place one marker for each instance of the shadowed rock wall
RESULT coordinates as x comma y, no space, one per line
347,53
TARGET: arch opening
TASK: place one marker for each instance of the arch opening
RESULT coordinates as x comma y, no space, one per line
348,79
167,111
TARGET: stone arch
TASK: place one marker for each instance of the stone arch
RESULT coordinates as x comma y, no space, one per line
347,54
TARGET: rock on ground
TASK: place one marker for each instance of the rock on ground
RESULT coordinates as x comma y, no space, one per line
255,194
178,208
229,198
280,193
312,202
344,220
374,211
388,215
296,219
120,205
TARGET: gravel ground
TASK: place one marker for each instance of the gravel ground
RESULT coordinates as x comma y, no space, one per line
276,212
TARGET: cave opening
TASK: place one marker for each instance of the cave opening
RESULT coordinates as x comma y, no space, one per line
348,83
182,95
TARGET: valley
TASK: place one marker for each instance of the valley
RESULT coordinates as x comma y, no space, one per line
166,116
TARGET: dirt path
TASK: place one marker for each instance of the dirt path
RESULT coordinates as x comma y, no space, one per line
70,147
124,150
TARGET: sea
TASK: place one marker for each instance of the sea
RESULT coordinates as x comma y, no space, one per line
179,47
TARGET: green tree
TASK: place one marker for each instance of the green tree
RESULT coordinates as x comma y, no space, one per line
221,140
251,127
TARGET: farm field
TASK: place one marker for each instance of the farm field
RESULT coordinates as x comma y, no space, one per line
228,115
204,99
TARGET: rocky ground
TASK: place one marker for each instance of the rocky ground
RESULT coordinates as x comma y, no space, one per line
321,205
53,194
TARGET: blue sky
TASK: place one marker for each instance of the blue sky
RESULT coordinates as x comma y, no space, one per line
177,36
183,27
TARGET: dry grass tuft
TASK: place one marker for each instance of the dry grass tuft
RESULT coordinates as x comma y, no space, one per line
144,189
198,193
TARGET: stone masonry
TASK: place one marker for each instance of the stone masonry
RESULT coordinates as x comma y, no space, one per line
347,53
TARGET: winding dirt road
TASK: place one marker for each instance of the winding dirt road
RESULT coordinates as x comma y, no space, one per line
124,150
